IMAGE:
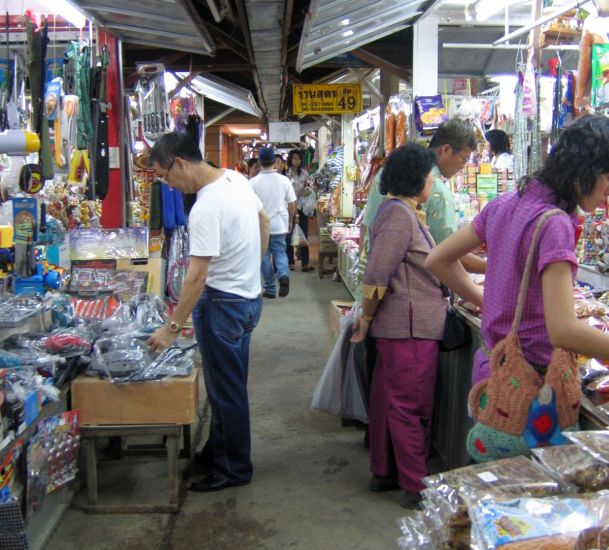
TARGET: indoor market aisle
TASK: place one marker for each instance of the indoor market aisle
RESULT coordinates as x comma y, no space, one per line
310,475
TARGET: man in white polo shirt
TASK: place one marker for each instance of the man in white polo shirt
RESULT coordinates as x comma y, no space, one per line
228,231
279,201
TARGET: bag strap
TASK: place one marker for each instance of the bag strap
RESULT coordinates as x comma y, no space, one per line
528,268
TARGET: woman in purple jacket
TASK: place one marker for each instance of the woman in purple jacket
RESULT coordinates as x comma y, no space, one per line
404,310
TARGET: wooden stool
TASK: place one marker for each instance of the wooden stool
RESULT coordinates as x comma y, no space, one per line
171,434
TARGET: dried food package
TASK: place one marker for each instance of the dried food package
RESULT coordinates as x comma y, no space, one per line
594,442
574,466
429,113
529,523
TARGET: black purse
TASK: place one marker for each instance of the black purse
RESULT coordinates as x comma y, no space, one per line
457,334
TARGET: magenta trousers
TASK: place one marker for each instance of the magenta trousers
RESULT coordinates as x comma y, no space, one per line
401,406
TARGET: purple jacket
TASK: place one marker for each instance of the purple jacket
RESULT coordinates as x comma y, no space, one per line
412,305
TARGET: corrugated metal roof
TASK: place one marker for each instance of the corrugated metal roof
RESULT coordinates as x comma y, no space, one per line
265,19
171,24
333,27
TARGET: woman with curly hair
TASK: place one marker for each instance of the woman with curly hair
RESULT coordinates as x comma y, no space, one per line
404,310
298,176
576,173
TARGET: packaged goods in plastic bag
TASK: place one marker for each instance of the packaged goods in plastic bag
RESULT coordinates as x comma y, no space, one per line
172,362
510,476
119,356
530,523
572,465
147,312
177,262
594,442
68,342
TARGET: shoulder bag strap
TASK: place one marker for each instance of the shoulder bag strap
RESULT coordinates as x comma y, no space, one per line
526,276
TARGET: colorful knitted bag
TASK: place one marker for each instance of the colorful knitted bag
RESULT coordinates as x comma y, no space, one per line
516,408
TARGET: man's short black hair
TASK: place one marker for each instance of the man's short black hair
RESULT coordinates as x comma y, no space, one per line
406,169
173,145
455,132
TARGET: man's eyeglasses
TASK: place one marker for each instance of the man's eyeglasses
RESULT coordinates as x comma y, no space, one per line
164,179
464,156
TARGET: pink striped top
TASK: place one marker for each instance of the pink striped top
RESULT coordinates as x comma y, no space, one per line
506,225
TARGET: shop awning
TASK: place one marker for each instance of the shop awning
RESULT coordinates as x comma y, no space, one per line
333,27
170,24
220,90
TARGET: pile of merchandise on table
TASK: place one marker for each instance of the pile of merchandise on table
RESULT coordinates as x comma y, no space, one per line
103,336
557,500
346,236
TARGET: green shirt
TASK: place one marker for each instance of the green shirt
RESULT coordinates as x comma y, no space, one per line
440,209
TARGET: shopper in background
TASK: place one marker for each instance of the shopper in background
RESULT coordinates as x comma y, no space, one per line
452,143
253,167
279,201
575,174
228,230
403,308
298,176
499,148
280,165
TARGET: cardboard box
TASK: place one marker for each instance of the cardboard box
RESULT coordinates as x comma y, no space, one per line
336,308
171,401
155,267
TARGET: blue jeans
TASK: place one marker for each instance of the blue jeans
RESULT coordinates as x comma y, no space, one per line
277,250
223,325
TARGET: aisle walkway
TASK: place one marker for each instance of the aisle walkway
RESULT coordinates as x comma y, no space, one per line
310,475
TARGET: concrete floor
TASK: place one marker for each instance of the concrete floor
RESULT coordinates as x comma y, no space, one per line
309,489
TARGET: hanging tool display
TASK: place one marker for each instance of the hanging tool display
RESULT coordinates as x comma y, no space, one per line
101,164
37,49
153,100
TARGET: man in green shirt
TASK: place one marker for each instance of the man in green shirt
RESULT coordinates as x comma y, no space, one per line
453,143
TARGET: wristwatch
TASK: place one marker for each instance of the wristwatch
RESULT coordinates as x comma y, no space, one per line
174,327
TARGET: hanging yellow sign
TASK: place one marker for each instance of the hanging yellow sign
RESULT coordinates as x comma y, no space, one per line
326,99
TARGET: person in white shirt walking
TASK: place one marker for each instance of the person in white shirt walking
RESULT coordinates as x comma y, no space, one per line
279,201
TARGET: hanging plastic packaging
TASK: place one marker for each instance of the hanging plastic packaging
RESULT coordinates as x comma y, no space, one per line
179,251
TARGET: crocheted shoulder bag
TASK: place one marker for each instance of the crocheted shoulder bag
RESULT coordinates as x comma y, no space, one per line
516,408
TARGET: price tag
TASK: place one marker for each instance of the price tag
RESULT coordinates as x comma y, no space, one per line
488,477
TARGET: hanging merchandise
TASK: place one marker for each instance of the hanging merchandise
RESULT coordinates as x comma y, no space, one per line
429,113
80,59
389,130
519,137
68,127
25,215
529,102
556,71
153,100
566,106
177,263
37,49
100,124
600,76
535,160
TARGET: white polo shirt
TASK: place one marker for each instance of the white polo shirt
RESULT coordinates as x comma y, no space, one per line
275,192
224,224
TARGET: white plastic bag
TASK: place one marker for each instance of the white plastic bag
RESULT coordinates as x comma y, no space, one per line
298,237
327,396
308,204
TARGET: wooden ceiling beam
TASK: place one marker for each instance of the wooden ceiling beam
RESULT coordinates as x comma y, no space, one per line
381,63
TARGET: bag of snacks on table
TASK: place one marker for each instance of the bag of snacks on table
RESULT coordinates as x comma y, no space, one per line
510,477
530,523
573,466
594,442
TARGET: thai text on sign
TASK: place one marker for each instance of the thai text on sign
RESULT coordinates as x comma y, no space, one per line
326,99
